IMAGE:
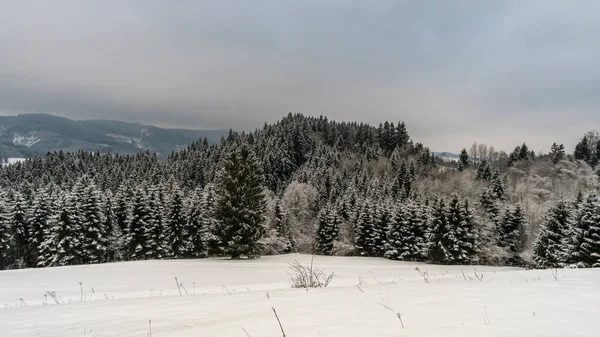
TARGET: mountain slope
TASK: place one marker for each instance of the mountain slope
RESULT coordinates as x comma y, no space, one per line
32,134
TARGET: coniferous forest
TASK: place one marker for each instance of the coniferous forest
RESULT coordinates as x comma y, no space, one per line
307,185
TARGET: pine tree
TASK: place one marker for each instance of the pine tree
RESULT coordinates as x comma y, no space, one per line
136,233
115,240
279,218
382,223
511,233
90,214
241,204
197,227
557,153
365,228
176,224
467,234
590,239
498,191
327,230
548,247
484,172
19,231
39,229
5,249
406,239
440,243
155,235
463,160
67,236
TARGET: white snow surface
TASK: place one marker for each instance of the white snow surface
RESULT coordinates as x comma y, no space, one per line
28,140
228,295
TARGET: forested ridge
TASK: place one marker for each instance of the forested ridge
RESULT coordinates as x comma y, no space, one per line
306,184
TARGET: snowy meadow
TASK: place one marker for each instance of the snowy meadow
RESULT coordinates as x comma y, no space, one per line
367,297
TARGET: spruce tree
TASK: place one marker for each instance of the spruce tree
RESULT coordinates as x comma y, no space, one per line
67,236
327,230
548,246
115,240
241,204
94,234
406,238
463,160
39,229
557,153
365,228
511,233
484,172
197,227
176,223
136,233
19,231
440,243
589,219
155,234
467,234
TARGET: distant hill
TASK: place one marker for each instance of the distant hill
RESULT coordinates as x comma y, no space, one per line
34,134
446,156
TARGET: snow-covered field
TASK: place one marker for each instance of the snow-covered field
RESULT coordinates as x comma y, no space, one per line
227,297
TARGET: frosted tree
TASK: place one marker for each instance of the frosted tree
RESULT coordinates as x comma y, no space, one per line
548,247
498,190
463,160
38,229
114,236
155,235
406,238
241,203
327,230
176,223
90,212
197,226
441,241
136,233
365,229
557,153
484,171
19,230
122,209
511,233
67,236
582,243
467,234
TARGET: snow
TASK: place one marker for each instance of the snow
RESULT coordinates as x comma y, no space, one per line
27,140
233,294
9,161
125,139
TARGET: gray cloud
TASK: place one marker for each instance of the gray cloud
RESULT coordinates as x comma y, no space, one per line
456,72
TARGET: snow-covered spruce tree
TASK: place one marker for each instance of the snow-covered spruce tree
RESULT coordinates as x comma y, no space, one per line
90,214
511,233
279,218
136,233
582,242
122,209
115,239
197,227
468,233
591,240
38,229
463,160
155,229
557,153
484,172
240,204
383,219
176,224
406,239
327,230
490,205
498,190
209,206
441,242
365,229
19,231
67,236
548,249
5,249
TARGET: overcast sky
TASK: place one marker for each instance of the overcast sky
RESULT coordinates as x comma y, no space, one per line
456,72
